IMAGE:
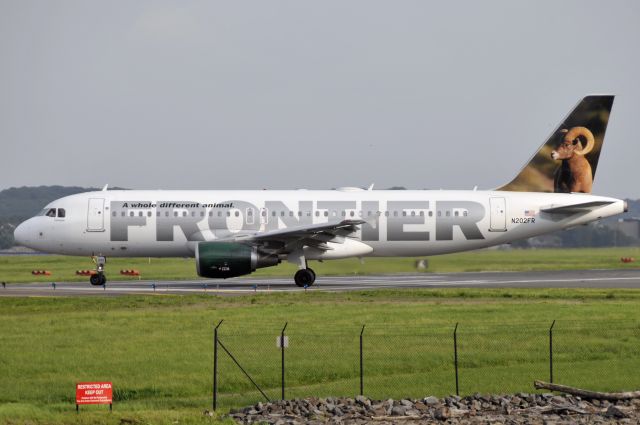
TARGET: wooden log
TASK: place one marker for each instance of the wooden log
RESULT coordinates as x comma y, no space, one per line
586,393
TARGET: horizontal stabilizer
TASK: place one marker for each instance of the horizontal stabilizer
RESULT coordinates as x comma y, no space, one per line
576,208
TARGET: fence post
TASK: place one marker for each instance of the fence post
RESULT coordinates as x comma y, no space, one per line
215,366
551,352
455,356
282,349
361,364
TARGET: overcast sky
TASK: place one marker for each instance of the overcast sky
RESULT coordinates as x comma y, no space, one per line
300,94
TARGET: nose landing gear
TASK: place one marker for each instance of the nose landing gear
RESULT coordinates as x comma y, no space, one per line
98,278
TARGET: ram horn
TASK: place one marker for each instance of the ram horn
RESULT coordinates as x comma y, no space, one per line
586,133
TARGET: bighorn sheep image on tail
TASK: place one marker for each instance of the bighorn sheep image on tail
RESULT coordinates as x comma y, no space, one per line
574,174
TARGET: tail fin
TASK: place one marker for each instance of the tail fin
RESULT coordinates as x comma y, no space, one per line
567,161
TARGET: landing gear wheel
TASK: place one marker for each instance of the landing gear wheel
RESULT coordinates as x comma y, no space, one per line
98,279
304,277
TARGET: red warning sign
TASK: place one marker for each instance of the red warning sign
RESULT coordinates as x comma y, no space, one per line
94,393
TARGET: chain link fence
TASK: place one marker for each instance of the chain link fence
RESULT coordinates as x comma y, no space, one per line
386,361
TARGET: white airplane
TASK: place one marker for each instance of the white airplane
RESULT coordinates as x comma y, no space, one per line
233,233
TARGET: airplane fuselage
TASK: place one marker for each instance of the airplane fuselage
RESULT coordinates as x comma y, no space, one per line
137,223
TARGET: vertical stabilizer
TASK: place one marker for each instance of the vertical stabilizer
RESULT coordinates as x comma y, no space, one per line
567,161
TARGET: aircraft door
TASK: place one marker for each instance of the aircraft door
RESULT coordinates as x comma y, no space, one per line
498,215
95,215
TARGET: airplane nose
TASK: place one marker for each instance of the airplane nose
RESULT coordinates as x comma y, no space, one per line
20,234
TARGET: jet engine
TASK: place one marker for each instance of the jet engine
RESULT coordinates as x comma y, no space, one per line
230,259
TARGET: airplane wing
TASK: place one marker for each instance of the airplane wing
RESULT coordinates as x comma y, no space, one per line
312,235
576,208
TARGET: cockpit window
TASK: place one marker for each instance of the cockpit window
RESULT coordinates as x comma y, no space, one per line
51,212
61,213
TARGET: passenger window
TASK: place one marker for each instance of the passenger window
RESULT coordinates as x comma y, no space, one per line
140,214
404,213
448,213
282,214
228,213
344,213
61,213
114,213
273,213
386,213
430,213
175,213
299,213
455,213
166,213
149,213
421,213
439,213
395,213
465,213
131,214
317,213
326,213
413,213
219,213
184,213
51,212
351,214
201,213
290,213
237,214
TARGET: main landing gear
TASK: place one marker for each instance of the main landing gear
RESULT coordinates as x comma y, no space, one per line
98,278
304,276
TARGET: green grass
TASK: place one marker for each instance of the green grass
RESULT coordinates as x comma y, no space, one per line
157,350
18,268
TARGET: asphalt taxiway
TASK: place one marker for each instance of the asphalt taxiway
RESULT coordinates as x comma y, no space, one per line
238,286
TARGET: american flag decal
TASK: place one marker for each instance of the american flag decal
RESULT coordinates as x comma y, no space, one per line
529,213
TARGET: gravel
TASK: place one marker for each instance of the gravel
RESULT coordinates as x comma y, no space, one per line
521,408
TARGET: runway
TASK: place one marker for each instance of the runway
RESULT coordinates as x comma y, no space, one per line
239,286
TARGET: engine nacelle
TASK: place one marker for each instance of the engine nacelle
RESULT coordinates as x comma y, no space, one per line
230,259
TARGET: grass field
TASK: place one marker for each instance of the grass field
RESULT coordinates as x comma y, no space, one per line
157,350
18,268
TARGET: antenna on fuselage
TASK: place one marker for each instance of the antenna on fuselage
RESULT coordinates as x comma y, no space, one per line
371,187
104,189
